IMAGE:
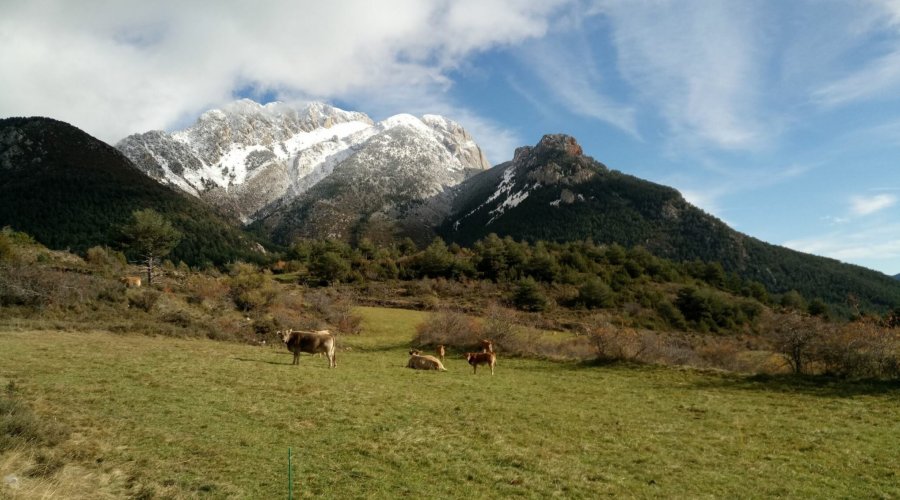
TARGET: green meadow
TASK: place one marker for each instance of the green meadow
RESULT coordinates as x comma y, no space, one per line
163,417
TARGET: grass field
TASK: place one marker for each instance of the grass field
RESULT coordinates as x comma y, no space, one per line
192,418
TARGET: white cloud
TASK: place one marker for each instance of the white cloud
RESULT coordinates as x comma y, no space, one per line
878,73
697,63
566,66
865,205
877,246
878,79
114,68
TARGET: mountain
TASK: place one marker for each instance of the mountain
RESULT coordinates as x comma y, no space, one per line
398,184
554,192
70,190
248,160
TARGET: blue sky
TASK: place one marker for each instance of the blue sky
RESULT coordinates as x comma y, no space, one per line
780,118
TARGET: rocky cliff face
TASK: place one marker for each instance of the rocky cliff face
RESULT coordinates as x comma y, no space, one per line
249,160
556,164
398,184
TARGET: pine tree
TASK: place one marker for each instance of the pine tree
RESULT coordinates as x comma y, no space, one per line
151,236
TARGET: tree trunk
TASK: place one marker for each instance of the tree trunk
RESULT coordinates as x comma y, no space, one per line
149,270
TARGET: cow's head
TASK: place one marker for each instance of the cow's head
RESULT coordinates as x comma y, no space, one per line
285,334
413,352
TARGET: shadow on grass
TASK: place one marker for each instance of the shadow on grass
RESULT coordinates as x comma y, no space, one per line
381,347
248,360
825,386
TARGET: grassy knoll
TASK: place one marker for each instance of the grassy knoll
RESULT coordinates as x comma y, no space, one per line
186,418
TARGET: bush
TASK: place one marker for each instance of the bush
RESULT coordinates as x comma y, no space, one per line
250,289
449,328
144,299
208,291
500,326
103,257
528,296
861,349
594,293
6,247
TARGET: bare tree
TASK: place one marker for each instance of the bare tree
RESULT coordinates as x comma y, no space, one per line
794,336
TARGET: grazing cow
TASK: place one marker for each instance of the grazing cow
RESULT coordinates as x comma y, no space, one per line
311,342
131,281
487,345
481,358
441,352
419,362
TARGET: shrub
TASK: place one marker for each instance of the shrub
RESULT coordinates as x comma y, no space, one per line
594,293
500,326
338,312
528,296
671,315
103,257
205,290
450,328
249,288
143,299
860,349
6,247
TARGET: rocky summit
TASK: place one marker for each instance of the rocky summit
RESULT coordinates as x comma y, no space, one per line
248,160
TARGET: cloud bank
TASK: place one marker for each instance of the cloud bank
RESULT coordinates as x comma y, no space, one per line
117,67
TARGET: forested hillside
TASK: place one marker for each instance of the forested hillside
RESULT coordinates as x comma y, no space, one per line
553,192
70,190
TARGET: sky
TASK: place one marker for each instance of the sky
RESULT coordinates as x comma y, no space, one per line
780,118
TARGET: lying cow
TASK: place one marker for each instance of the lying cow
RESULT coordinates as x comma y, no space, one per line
321,341
441,351
481,358
420,362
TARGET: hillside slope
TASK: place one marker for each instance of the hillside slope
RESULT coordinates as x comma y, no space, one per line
554,192
70,190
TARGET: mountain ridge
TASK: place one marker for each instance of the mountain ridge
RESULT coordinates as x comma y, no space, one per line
249,159
553,192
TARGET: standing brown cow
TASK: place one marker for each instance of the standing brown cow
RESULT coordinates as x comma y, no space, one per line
311,342
487,345
481,358
441,352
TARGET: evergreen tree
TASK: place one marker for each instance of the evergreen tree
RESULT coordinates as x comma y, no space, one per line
151,237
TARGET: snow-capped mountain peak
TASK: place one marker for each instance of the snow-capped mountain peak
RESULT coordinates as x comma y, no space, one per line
248,158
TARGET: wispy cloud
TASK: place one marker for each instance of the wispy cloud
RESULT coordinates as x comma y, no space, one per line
697,63
567,67
866,205
878,79
869,245
878,74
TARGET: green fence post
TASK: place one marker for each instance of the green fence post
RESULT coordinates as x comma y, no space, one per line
290,477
